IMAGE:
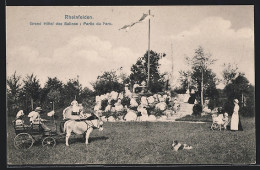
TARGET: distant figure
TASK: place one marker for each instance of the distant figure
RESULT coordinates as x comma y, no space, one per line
192,98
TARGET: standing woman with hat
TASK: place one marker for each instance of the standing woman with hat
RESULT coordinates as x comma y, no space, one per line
235,117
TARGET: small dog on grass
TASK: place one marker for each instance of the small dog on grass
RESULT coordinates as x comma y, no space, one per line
178,146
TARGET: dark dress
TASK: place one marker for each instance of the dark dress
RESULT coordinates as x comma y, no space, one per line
240,128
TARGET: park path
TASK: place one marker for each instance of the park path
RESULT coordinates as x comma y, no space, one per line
185,109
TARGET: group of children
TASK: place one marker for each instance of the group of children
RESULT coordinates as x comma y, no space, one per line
34,118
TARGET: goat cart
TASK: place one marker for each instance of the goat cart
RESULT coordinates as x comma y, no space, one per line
27,135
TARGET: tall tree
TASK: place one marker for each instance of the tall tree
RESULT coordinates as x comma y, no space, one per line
32,88
241,89
229,73
238,87
200,63
139,71
13,90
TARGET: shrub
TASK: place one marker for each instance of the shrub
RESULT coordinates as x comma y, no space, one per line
104,104
125,101
107,114
114,114
178,91
122,113
138,100
157,113
156,87
173,94
88,105
134,108
113,103
221,101
197,109
229,107
168,102
150,109
212,103
247,111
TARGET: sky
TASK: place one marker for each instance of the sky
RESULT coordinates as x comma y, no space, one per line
65,51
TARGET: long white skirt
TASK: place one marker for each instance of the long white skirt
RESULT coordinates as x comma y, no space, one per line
234,122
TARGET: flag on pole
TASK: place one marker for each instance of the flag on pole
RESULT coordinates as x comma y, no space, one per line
126,27
142,19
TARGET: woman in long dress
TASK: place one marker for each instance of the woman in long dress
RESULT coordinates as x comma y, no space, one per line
235,116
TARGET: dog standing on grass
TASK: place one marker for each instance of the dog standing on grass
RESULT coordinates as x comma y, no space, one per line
178,146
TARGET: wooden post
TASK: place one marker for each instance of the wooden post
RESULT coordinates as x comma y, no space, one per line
148,81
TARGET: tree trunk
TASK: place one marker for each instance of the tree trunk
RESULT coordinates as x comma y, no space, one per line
32,103
242,100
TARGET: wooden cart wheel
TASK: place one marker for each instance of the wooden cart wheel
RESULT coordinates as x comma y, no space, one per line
48,142
23,141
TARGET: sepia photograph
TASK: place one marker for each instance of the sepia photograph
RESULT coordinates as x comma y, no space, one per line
130,85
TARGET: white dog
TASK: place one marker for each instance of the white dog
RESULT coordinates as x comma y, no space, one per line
178,146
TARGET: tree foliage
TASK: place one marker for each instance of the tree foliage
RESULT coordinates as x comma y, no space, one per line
107,82
237,86
229,73
72,90
54,95
241,89
52,91
13,91
201,75
32,88
139,71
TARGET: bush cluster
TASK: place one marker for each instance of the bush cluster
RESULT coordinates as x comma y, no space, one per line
197,110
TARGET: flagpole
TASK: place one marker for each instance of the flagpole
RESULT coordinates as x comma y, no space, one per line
148,81
172,62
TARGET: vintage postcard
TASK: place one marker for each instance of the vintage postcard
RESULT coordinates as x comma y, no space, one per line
130,85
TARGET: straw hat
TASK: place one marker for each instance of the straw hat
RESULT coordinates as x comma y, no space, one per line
38,109
236,101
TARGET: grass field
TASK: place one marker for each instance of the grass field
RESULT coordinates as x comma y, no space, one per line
144,143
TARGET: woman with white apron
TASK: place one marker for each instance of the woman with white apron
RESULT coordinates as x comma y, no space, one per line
235,116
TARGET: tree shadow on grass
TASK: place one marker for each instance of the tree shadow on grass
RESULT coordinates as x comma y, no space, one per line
80,139
97,138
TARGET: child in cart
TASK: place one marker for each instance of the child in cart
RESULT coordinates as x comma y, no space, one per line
35,119
19,118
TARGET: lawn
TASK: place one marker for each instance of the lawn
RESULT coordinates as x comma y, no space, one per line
144,143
